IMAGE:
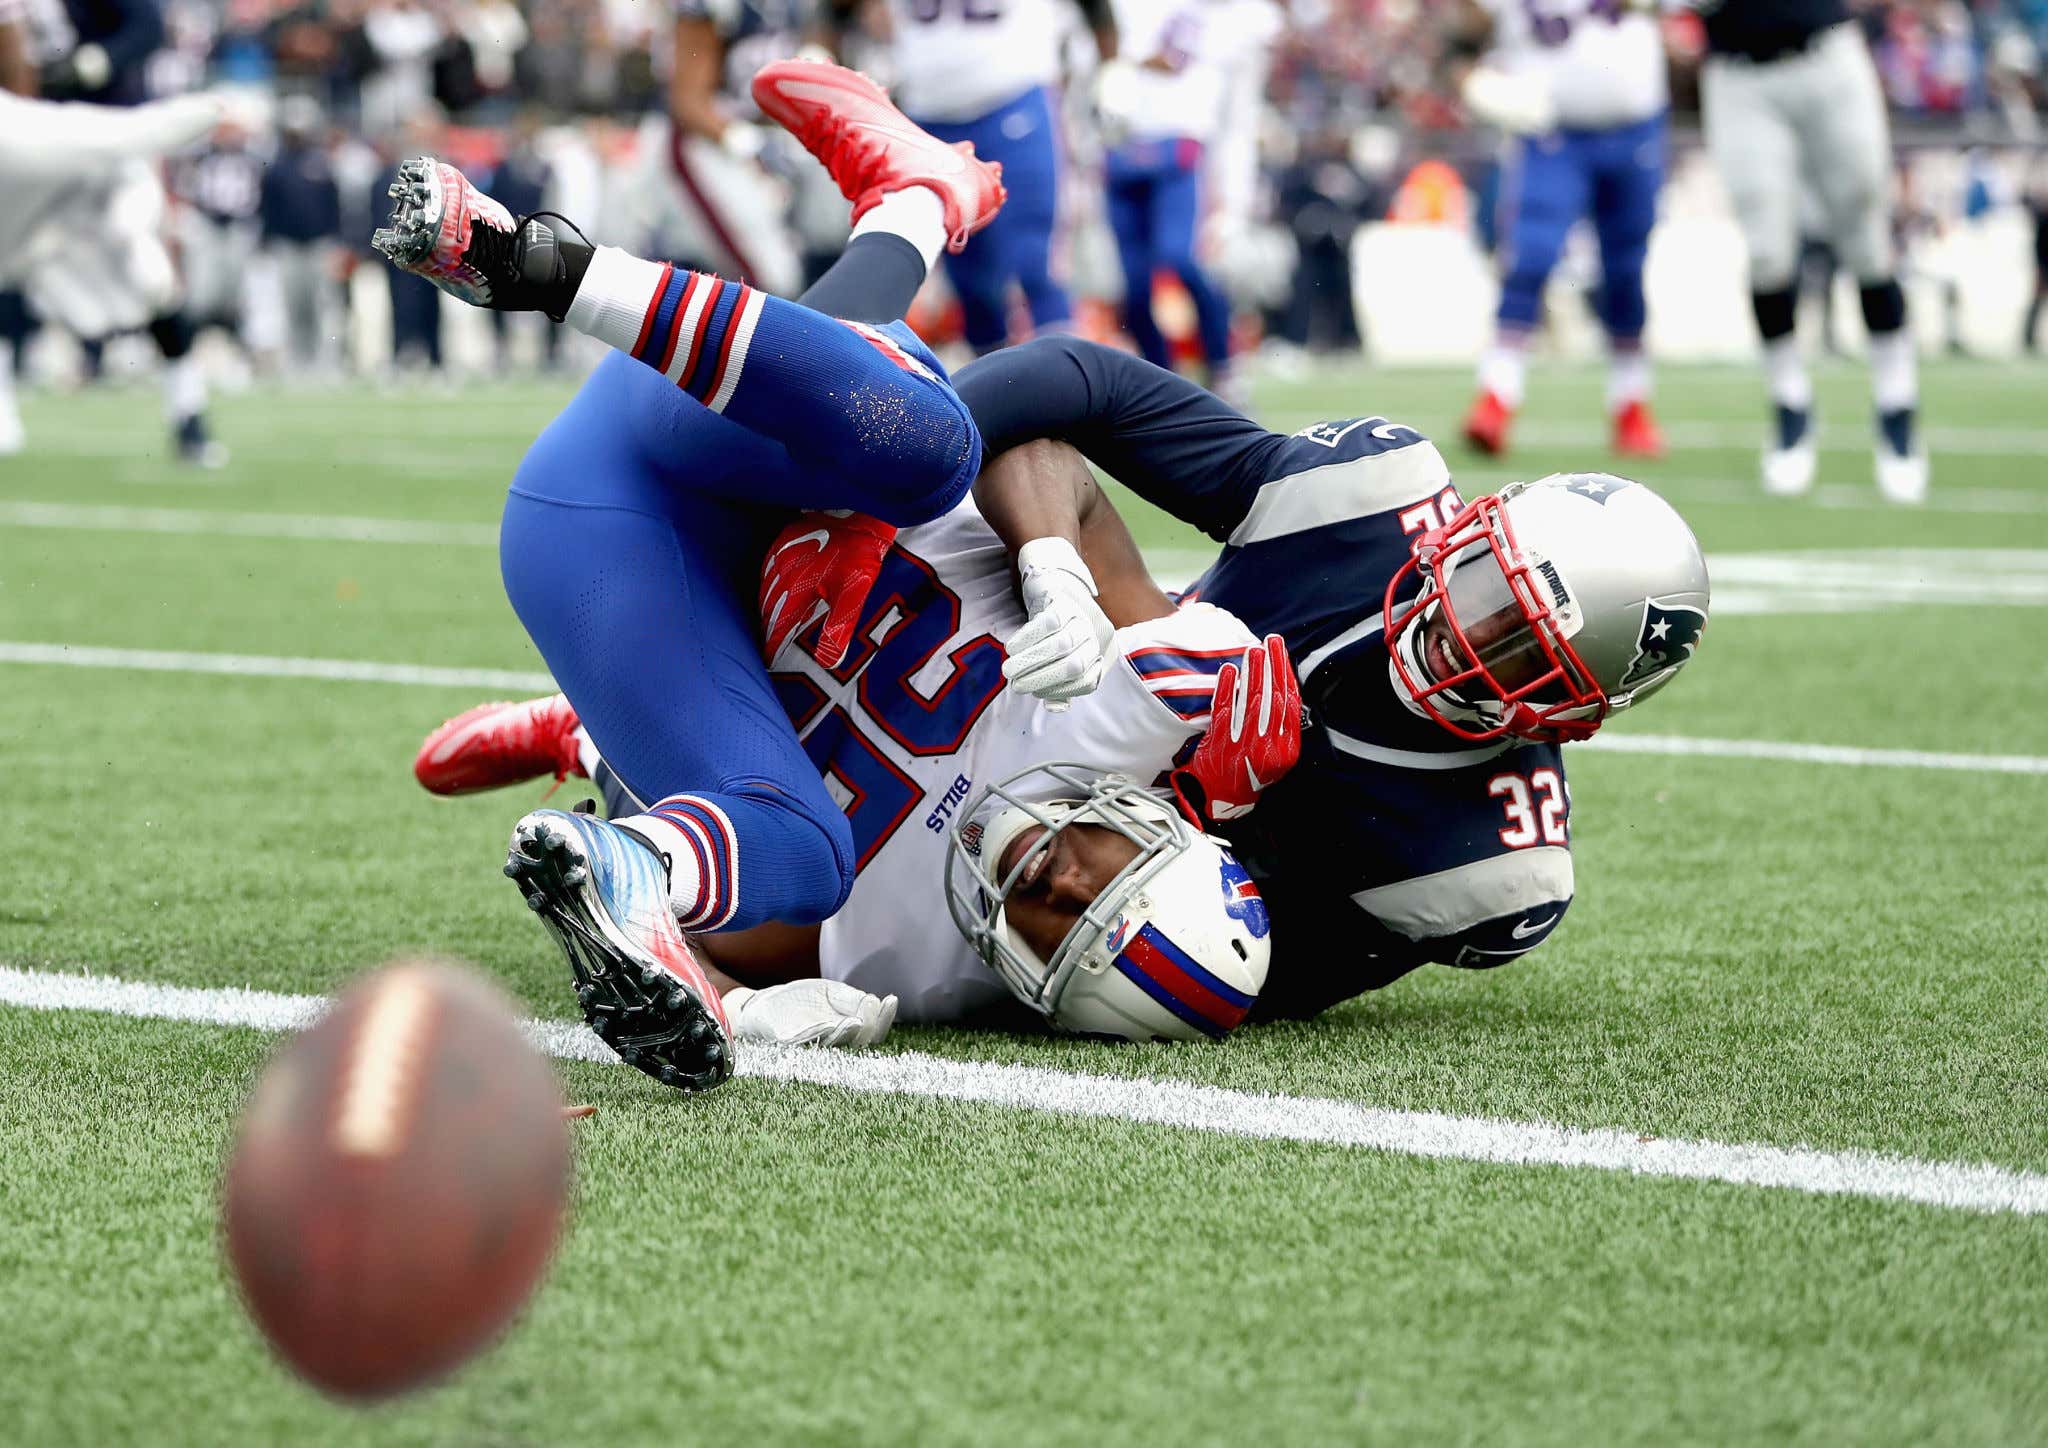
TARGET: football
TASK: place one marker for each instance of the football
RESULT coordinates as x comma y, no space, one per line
398,1182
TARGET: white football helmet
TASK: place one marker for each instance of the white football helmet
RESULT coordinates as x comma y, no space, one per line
1547,606
1174,948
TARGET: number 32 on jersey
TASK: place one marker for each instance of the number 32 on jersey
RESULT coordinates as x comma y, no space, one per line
1537,806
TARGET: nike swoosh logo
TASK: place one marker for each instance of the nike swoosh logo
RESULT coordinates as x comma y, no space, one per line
944,159
1526,928
817,535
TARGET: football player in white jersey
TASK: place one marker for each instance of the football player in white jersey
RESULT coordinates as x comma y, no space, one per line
700,164
1161,106
79,229
983,71
637,517
1579,85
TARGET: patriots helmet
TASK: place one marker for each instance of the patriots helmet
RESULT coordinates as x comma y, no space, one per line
1546,607
1174,947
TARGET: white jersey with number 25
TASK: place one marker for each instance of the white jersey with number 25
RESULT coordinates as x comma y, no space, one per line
918,718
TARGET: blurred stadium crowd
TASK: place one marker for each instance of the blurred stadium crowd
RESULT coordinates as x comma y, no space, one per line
1345,119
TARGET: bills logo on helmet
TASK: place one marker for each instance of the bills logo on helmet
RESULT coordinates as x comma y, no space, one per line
1119,932
1242,901
1670,633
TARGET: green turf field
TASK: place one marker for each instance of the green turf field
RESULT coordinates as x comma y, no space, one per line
1834,956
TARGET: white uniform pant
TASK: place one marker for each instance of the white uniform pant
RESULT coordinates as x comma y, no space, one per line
1811,123
703,203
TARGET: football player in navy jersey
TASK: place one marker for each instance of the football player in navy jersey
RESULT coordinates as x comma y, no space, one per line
1446,649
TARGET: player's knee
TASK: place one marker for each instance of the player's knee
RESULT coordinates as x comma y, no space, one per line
1884,307
797,861
1624,309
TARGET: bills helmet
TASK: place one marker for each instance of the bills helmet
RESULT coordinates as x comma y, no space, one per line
1545,607
1175,947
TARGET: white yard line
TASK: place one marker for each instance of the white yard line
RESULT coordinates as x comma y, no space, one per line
1773,749
270,666
1961,1186
203,522
357,671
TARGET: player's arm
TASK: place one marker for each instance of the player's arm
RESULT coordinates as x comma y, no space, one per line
693,78
17,71
1101,18
1173,443
1514,103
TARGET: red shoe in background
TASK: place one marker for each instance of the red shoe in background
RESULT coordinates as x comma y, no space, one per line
1486,425
1636,434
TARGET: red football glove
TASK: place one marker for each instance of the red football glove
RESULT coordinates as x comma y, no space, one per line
823,563
1254,736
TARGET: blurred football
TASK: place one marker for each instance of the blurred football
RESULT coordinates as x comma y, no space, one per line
398,1182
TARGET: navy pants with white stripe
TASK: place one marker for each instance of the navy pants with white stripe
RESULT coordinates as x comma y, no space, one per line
631,548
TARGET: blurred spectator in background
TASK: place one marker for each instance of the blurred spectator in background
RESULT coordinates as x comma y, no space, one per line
2037,206
301,215
403,38
415,303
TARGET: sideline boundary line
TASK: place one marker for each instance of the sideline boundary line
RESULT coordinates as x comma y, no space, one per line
1956,1186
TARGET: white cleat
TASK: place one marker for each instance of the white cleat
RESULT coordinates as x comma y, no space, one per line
1901,478
1788,472
1792,458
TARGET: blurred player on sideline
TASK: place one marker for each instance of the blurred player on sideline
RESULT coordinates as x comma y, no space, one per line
982,71
701,164
1579,85
1791,100
1161,107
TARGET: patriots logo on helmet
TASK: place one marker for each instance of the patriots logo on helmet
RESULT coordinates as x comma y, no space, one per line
1670,633
1241,899
1597,486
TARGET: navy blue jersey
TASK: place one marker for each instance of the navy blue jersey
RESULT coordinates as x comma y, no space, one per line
1393,843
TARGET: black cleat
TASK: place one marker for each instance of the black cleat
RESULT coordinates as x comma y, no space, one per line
602,892
444,229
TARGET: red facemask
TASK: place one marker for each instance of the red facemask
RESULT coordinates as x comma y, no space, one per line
1509,650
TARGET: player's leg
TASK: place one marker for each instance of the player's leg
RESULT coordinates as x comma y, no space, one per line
1176,218
854,403
1755,147
1032,171
1626,181
1127,197
1848,139
980,273
737,210
1544,193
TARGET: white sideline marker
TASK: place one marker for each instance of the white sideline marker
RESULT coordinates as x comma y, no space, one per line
1958,1186
362,671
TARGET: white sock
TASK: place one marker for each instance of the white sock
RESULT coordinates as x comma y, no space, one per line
587,757
612,301
1503,368
1894,371
184,388
1628,377
916,214
687,886
1786,369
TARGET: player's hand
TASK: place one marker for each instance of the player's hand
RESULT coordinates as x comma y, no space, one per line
1254,736
810,1013
1063,648
822,565
1518,104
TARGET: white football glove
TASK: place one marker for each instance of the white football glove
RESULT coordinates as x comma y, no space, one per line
809,1013
1063,649
1516,103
